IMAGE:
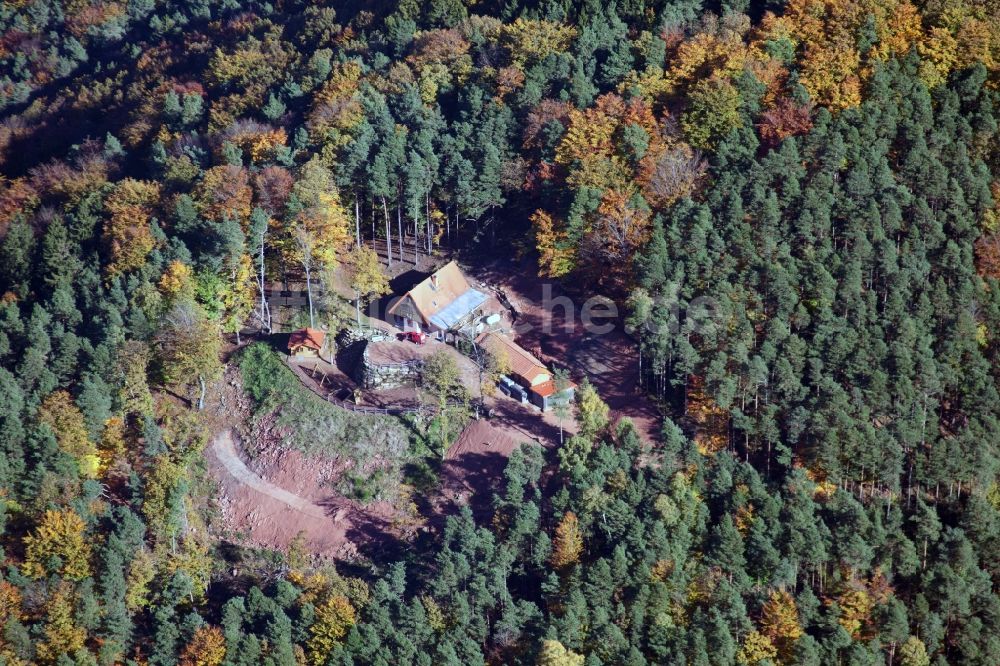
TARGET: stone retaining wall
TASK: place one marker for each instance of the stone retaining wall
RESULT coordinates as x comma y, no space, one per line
374,376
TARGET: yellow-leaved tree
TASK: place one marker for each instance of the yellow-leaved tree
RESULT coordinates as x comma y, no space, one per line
556,255
58,541
177,281
530,41
336,106
840,40
322,212
130,368
756,648
320,229
780,622
856,606
554,653
593,412
914,653
239,295
367,277
61,636
64,418
188,348
160,502
334,616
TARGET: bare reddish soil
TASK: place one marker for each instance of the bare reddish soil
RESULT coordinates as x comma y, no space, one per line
269,500
266,501
261,511
473,467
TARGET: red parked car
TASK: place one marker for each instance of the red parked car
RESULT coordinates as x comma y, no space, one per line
416,337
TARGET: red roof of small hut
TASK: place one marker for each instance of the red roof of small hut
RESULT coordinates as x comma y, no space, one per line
306,337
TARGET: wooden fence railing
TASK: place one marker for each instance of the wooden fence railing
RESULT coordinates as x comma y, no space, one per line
391,410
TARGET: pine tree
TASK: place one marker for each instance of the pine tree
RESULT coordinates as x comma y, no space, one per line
726,548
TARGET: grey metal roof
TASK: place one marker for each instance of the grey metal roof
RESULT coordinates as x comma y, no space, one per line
455,311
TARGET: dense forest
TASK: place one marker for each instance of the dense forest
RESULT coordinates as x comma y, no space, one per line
796,205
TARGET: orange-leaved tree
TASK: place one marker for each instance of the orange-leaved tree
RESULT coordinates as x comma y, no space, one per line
780,622
224,192
840,40
128,235
619,230
207,647
568,542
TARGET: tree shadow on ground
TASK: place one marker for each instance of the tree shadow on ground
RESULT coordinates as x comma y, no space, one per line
523,422
376,537
472,479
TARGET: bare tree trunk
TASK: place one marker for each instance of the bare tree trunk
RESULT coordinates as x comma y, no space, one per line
388,232
399,230
357,221
416,240
309,294
201,396
427,216
263,299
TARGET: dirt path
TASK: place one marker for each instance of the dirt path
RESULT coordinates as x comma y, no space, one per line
225,451
257,512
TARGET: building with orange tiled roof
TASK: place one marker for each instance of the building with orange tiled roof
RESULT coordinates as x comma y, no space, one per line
306,342
523,366
524,370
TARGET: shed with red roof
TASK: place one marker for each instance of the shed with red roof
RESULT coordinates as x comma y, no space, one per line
306,342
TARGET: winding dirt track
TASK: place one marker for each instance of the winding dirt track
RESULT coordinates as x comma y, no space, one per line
225,451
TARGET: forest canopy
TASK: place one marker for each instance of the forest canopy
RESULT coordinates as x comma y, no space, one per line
821,173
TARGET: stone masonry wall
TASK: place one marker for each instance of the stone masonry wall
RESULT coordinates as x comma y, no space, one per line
382,377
